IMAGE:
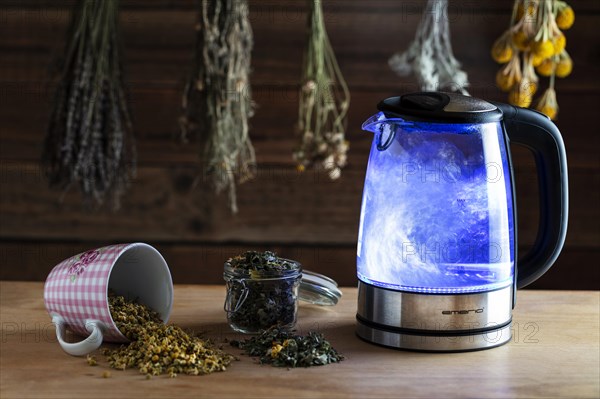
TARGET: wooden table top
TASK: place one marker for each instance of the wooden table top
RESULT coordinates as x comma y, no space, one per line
554,353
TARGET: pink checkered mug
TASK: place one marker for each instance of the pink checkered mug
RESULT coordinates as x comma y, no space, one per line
76,291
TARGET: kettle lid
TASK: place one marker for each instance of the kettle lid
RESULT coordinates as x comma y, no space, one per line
440,107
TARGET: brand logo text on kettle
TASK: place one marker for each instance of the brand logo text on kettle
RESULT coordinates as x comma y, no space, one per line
463,311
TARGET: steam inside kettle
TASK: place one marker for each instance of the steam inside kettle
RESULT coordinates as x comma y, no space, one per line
437,210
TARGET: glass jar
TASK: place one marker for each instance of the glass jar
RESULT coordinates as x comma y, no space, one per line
257,300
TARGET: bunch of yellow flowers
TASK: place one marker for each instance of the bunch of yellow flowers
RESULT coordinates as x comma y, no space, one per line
534,42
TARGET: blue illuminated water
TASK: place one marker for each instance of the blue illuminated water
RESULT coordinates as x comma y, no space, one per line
437,212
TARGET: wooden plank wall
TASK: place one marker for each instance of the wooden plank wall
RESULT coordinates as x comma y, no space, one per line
301,216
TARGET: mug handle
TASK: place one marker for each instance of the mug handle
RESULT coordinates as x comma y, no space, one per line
90,344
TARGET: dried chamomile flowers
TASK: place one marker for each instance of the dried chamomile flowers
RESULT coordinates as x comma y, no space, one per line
156,348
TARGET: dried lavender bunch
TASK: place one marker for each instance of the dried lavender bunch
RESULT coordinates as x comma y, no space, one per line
217,98
324,102
90,140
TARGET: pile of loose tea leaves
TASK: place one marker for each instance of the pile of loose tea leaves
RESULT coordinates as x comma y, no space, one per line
268,296
286,349
156,348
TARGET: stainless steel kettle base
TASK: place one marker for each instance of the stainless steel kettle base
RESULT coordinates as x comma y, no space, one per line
435,343
434,322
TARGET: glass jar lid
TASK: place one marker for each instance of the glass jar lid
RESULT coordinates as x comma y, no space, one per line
318,289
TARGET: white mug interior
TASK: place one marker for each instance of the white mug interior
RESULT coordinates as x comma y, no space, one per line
140,273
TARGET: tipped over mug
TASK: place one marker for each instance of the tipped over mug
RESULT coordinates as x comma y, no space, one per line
76,291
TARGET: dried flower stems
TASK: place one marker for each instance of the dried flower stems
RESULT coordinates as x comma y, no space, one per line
429,57
324,102
217,98
534,43
90,141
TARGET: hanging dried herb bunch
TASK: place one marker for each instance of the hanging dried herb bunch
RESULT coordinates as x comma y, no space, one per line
217,98
324,102
534,42
90,141
429,57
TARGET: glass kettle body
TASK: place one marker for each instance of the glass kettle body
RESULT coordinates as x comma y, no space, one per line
437,212
437,255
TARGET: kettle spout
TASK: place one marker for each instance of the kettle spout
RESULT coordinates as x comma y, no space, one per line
372,124
384,128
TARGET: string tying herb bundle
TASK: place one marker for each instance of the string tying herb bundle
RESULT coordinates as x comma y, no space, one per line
534,43
217,98
90,141
429,57
324,102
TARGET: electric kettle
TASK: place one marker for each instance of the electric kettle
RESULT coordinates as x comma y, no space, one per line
437,252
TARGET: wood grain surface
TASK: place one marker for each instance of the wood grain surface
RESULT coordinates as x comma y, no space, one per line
554,353
280,209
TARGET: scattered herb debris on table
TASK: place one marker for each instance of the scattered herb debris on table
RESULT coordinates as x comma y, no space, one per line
91,360
263,288
286,349
156,348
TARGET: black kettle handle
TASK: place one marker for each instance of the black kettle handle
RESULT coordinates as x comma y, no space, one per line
537,132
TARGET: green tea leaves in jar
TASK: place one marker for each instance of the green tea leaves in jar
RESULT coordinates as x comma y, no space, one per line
262,291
